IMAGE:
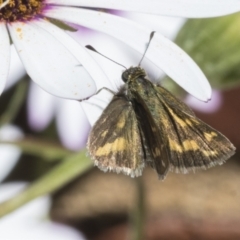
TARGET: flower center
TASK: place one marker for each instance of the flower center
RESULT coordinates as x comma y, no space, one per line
20,10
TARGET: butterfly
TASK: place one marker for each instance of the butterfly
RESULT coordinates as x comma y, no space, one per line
144,124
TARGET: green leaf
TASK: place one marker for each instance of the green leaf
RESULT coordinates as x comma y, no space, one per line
214,44
62,174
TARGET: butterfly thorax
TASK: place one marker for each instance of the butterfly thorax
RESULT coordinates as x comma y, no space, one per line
133,73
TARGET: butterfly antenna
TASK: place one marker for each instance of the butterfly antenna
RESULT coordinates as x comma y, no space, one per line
150,39
94,50
4,4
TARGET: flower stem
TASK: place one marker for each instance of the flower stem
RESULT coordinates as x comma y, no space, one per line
63,173
138,218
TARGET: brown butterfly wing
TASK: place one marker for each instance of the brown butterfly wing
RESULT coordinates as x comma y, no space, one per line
115,142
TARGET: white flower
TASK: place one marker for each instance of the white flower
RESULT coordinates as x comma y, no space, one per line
30,221
213,106
51,58
58,63
182,8
64,68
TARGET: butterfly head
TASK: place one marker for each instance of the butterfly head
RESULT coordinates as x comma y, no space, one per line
133,73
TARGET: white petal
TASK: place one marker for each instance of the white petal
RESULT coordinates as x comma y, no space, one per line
49,231
9,153
116,50
183,8
4,56
10,133
40,105
179,66
49,63
30,221
162,52
73,126
17,70
38,208
167,26
210,107
80,52
8,190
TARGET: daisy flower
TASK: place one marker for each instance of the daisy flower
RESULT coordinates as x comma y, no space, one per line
59,63
42,48
30,221
64,68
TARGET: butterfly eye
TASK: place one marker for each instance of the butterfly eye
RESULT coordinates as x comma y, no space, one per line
125,76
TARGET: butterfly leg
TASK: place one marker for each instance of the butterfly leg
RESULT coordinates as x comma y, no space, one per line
103,88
